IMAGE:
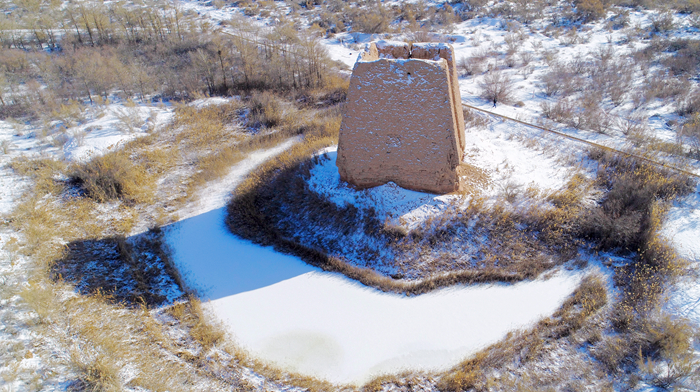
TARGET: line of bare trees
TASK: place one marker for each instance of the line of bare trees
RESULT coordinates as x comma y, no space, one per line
143,51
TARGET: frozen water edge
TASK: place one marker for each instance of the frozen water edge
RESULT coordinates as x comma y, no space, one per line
325,325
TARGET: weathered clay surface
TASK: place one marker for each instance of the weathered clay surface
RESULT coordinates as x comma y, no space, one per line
403,119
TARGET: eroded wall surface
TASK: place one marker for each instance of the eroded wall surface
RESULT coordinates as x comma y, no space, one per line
403,119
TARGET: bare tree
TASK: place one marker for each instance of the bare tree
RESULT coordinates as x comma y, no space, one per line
496,87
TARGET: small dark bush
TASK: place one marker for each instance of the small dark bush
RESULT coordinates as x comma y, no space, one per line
265,110
112,177
622,220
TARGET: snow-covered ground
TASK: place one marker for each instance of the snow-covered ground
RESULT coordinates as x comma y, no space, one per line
494,149
682,228
114,125
324,325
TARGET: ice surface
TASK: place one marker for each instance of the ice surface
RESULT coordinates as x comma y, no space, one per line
219,264
325,325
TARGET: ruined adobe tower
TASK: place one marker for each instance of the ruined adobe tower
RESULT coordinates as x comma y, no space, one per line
403,119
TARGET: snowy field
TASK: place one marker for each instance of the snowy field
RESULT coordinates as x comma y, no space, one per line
322,324
325,325
112,126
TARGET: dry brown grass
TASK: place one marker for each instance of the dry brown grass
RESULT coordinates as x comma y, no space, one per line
191,315
113,176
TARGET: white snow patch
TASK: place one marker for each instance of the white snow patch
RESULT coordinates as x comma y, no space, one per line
682,226
339,49
204,102
508,161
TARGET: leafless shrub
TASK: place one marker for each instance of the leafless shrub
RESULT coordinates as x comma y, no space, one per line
592,116
590,10
526,57
662,22
614,79
691,130
549,56
510,61
690,104
562,111
510,190
621,20
373,21
603,55
633,125
6,146
570,38
563,79
265,110
526,71
470,65
496,87
129,120
512,43
660,86
553,80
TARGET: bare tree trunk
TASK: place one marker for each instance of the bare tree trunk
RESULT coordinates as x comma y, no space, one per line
223,72
88,92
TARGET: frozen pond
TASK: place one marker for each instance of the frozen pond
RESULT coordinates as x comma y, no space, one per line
324,325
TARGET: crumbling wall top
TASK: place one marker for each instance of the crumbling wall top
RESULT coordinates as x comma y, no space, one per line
398,50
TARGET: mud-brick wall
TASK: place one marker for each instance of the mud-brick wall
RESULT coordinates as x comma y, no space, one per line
402,121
